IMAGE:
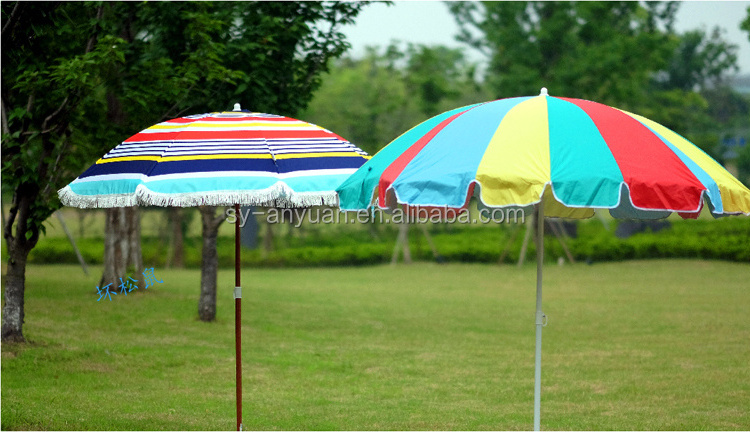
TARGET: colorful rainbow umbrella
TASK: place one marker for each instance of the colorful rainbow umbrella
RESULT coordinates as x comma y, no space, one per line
567,157
584,154
221,158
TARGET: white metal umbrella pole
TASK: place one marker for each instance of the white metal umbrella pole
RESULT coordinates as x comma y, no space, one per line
540,317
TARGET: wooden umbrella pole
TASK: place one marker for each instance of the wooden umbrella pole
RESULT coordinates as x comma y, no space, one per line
238,316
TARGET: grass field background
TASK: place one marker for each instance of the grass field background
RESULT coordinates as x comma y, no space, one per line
656,345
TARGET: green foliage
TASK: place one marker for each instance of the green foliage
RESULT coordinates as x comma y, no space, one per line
282,49
623,54
80,77
700,61
602,51
724,239
364,101
59,250
53,64
205,56
335,246
371,101
440,78
743,164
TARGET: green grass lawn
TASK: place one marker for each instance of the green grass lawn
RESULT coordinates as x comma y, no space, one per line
655,345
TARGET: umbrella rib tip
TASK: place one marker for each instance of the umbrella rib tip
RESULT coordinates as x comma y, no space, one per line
543,92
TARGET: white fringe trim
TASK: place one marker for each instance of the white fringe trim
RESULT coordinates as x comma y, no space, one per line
72,199
279,195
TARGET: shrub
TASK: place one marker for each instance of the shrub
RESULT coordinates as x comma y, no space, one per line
725,239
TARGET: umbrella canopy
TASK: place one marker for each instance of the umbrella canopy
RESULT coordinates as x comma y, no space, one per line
566,157
509,151
220,158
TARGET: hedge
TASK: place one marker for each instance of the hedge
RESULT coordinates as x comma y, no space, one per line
723,239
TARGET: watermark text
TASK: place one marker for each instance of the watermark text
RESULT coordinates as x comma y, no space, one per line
128,285
329,215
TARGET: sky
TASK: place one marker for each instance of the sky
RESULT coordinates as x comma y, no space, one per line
430,22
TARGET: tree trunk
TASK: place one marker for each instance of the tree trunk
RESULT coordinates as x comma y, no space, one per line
15,283
209,262
530,229
122,246
178,238
135,254
81,223
249,227
268,240
18,252
113,263
372,228
402,244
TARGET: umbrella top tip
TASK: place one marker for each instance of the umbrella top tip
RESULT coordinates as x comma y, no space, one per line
237,107
543,92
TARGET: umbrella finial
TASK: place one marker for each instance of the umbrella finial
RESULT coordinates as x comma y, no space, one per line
544,92
237,107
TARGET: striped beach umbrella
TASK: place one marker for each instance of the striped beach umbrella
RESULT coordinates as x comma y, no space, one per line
565,157
221,158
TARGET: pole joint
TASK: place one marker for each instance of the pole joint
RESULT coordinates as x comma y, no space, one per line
237,292
541,319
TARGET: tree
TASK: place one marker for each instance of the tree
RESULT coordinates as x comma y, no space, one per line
79,77
266,55
122,251
176,220
603,51
281,49
439,78
743,164
365,101
698,72
372,100
743,158
51,77
210,222
623,54
699,61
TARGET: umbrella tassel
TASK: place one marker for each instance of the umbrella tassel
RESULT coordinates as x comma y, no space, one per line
72,199
278,195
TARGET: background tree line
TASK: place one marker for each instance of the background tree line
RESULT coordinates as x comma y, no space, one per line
624,54
79,77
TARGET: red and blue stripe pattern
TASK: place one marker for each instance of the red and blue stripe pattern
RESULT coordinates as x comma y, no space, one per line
222,158
575,154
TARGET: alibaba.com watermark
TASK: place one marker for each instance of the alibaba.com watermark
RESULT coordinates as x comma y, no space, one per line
330,215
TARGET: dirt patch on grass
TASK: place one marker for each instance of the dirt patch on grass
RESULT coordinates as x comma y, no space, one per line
99,367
